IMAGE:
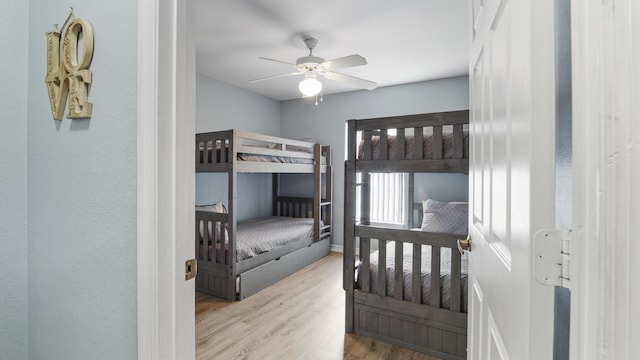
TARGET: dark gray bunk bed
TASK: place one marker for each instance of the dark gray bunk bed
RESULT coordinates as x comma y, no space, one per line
425,313
221,271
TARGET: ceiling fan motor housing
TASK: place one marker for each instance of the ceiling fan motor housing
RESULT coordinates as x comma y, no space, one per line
309,62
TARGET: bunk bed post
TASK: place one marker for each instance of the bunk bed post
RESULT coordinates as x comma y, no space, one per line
349,225
232,201
317,191
328,191
410,198
275,191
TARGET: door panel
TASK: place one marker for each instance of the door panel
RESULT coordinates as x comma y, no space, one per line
510,315
477,143
496,348
499,129
476,320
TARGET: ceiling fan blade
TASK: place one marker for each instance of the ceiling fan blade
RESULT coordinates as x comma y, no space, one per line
366,84
274,76
278,61
344,62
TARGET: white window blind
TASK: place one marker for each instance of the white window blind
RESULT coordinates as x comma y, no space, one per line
388,198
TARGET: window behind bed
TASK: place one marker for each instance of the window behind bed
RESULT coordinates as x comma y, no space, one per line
389,198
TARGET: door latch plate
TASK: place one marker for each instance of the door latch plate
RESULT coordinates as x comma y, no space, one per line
190,269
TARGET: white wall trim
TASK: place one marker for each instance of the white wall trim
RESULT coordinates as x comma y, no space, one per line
147,266
606,59
337,248
165,188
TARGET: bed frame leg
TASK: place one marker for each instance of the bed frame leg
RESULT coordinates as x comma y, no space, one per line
349,312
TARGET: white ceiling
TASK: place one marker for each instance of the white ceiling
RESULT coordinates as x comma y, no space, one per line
404,41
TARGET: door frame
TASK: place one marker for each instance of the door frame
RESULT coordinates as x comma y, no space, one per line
166,177
158,78
605,71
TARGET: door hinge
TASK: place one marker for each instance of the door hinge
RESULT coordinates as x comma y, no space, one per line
190,269
552,258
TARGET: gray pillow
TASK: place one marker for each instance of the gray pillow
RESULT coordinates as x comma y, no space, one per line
445,217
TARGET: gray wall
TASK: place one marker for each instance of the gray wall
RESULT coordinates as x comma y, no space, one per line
14,28
326,122
82,194
220,106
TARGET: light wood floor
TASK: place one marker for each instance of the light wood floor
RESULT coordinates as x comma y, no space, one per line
288,320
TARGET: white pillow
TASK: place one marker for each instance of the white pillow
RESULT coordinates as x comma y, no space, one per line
217,208
445,217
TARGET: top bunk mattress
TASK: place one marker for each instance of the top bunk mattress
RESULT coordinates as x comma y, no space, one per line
409,145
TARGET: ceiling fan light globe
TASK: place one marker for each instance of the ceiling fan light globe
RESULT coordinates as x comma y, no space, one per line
310,86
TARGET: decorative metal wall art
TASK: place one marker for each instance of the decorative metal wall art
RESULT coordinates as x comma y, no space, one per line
70,76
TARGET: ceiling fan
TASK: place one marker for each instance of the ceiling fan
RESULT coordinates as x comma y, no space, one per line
312,66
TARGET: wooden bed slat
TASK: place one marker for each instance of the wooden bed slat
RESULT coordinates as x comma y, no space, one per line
224,157
199,153
365,199
455,281
382,268
367,144
365,254
401,151
384,145
437,142
210,240
435,276
409,205
275,186
416,274
419,147
398,283
199,248
458,142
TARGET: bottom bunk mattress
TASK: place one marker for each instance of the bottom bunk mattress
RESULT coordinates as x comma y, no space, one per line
260,235
445,274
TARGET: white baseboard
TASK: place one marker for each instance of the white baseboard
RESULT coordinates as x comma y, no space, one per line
337,248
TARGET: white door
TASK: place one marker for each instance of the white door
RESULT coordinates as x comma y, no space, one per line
511,177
